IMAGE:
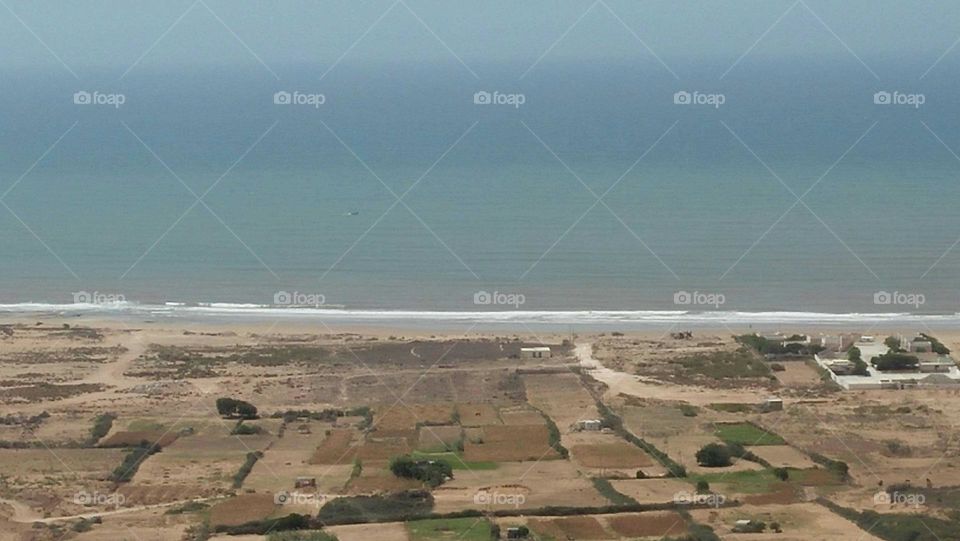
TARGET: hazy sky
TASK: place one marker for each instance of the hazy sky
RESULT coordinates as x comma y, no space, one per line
115,34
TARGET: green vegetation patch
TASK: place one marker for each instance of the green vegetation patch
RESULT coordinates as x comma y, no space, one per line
615,497
742,363
132,461
246,468
463,529
101,427
455,460
294,535
732,407
407,505
432,472
899,526
747,434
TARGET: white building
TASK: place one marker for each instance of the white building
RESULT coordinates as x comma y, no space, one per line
539,352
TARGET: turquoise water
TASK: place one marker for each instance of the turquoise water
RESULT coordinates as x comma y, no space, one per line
499,212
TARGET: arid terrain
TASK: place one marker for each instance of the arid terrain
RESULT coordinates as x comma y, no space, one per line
121,431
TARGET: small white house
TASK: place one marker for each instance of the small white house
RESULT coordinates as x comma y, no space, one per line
591,425
539,352
772,403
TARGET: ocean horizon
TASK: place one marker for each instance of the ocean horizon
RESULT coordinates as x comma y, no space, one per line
399,192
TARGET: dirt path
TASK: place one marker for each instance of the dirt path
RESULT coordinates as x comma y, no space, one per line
113,373
629,384
25,514
21,511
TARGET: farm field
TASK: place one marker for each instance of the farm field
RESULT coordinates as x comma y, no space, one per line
143,442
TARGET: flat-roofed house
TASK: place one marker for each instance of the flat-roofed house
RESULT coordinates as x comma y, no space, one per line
539,352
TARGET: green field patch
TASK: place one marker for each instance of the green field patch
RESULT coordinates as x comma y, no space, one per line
455,460
742,482
747,434
463,529
766,480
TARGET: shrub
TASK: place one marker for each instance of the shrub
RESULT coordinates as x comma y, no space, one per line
231,407
246,430
714,455
703,487
262,527
895,361
246,468
781,473
101,426
131,463
431,472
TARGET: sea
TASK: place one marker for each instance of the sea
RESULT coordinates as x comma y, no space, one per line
785,189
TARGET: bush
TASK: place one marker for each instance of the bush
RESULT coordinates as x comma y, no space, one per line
431,472
265,526
294,535
131,463
231,407
714,455
246,468
838,467
399,506
246,430
703,487
895,361
101,426
781,473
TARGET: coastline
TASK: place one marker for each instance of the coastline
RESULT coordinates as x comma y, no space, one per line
330,320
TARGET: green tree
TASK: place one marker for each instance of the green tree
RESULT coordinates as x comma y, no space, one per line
714,455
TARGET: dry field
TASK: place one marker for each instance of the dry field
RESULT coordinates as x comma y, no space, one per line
207,459
339,447
651,490
616,454
288,458
501,443
561,397
800,522
658,525
582,527
392,531
407,416
241,509
161,383
472,415
541,484
439,437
